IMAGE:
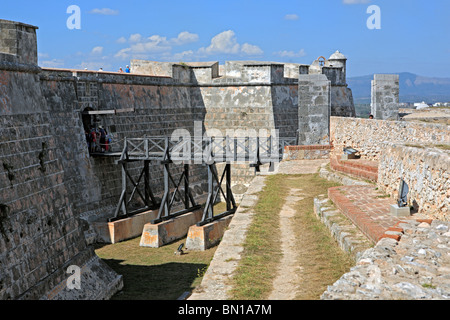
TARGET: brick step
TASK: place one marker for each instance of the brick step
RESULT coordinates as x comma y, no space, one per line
372,222
361,170
371,166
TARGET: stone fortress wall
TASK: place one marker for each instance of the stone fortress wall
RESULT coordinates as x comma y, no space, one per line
50,186
252,95
40,236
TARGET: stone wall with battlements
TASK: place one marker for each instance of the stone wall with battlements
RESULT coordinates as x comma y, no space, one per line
51,187
249,97
146,106
369,135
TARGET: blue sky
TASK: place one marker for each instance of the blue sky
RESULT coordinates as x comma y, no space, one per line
414,35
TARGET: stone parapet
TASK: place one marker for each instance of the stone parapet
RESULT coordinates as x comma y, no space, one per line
369,136
306,152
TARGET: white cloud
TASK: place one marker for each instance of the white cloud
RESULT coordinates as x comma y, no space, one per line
181,56
121,40
105,12
54,63
184,37
140,47
154,43
95,65
291,54
251,50
355,1
136,37
226,42
123,53
291,17
97,50
160,47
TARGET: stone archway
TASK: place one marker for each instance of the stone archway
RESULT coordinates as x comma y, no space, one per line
89,120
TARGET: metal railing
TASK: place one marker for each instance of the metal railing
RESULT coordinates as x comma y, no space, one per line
210,149
206,151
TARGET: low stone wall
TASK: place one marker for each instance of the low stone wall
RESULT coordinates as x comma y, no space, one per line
426,172
369,136
306,152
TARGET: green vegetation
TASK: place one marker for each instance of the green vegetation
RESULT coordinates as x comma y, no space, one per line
257,268
319,255
428,286
155,273
443,146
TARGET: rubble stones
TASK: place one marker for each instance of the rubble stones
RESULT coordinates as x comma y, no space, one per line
415,268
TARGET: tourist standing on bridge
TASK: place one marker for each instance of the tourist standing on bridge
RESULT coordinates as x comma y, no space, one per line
93,139
102,138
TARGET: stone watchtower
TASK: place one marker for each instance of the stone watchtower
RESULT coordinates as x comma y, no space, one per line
338,60
18,41
335,68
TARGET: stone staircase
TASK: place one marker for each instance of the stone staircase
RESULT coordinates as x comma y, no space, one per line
356,167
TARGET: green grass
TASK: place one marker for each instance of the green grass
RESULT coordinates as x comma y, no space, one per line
159,274
323,261
256,270
155,273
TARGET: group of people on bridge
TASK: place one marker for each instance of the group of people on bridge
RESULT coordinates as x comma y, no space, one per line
98,140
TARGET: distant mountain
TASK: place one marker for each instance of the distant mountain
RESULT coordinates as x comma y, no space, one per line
413,88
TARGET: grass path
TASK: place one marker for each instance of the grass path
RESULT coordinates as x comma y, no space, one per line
318,259
286,256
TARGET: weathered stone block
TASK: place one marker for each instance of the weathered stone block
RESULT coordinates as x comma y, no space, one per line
157,235
207,236
397,211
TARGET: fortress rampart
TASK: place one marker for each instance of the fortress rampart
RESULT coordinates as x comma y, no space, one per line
51,187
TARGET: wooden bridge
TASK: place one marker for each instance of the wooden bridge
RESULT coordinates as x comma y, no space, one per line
255,151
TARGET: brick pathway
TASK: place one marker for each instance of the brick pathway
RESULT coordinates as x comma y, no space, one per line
369,210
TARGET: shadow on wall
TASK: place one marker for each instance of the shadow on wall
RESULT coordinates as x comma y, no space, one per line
285,110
